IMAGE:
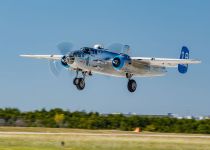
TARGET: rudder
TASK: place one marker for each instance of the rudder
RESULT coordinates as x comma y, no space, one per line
182,68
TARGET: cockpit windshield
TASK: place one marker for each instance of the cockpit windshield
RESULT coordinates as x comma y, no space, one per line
86,50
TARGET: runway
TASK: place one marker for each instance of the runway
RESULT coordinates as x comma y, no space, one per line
165,135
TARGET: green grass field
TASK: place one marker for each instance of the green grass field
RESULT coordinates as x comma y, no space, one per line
76,139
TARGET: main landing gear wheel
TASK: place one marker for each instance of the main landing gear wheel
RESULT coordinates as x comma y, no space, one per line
132,85
76,81
80,83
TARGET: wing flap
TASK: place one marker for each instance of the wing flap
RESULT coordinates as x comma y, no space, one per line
164,62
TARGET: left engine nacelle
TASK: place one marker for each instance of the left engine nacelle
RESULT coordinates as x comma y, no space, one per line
120,62
64,61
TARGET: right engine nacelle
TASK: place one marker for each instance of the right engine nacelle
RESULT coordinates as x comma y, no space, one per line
120,61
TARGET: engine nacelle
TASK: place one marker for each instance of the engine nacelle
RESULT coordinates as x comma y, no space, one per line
64,61
120,61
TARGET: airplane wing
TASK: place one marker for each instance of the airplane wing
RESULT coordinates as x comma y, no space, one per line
48,57
163,62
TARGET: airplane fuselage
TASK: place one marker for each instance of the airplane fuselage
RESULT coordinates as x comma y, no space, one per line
100,61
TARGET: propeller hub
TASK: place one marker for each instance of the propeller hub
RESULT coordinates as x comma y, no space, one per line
116,62
64,61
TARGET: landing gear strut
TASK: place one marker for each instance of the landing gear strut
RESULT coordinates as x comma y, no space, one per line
79,82
132,85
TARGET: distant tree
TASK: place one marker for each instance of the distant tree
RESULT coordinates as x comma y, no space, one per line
203,128
20,123
59,118
2,122
150,127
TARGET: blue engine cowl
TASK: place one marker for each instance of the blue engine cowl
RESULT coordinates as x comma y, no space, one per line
120,61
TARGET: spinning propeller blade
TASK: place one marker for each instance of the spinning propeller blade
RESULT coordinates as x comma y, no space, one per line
55,66
65,47
115,47
119,48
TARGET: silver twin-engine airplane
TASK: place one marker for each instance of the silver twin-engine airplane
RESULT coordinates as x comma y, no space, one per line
113,61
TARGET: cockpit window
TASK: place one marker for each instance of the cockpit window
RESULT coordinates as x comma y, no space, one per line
77,54
86,50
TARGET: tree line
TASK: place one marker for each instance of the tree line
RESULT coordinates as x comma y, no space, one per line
58,118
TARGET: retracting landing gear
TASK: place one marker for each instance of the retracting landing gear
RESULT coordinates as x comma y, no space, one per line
79,82
132,85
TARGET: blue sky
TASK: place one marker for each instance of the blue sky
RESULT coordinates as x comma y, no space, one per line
152,28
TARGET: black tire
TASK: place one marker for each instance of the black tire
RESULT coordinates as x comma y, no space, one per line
132,85
81,84
76,81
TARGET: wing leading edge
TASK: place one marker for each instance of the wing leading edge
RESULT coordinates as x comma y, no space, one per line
48,57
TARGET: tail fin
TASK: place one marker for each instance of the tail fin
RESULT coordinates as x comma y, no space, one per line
184,55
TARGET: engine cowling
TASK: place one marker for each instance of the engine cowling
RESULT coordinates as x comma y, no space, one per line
67,60
64,61
119,62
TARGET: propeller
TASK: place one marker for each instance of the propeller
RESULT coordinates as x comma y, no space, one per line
56,67
115,47
65,47
119,48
